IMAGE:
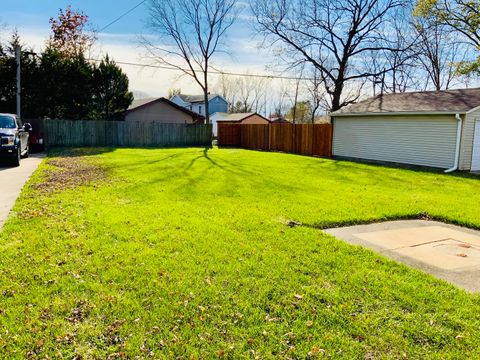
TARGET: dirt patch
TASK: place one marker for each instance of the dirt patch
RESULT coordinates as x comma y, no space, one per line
68,173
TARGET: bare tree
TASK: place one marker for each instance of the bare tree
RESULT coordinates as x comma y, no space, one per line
244,93
280,99
317,94
174,91
430,59
461,16
403,73
192,32
439,52
250,94
335,36
298,79
225,86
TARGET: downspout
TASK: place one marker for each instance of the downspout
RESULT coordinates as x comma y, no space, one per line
457,147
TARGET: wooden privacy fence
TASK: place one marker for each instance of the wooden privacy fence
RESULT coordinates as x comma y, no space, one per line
123,133
304,139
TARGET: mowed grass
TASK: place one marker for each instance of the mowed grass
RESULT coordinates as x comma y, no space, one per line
184,253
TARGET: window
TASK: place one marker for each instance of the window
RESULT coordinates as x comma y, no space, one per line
200,109
7,122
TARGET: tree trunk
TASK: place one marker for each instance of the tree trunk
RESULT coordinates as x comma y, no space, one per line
336,96
314,110
205,93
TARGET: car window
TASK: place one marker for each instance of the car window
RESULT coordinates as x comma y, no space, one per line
7,122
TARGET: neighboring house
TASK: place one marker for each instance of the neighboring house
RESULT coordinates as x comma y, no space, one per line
160,110
196,103
237,118
439,129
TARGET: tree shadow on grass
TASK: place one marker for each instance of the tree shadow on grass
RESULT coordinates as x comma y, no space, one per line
194,173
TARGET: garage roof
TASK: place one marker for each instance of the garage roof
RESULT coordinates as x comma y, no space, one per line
141,103
234,116
445,101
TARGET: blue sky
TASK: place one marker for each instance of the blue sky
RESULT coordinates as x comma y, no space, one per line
122,39
33,13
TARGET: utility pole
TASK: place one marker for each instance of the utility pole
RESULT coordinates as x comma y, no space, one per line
18,53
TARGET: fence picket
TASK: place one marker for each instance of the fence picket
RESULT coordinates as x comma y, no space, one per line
121,133
305,139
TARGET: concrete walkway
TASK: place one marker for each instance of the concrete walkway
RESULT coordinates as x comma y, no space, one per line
12,180
449,252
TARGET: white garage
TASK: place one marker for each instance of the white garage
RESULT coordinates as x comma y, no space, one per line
439,129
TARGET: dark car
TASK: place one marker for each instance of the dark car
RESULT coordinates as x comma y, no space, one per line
13,138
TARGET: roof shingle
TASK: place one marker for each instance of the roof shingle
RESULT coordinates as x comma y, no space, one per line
450,101
196,98
234,116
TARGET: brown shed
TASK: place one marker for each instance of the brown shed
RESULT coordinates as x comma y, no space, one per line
237,118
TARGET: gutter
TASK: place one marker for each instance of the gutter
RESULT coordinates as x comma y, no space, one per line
457,147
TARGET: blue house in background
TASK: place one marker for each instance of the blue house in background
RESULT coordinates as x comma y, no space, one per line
196,103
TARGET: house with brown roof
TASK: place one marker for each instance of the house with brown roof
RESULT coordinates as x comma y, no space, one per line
161,110
236,118
439,129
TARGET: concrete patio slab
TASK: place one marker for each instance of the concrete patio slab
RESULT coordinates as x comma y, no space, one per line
446,251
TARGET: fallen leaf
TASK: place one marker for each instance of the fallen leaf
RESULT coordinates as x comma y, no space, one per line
309,323
221,353
40,343
315,351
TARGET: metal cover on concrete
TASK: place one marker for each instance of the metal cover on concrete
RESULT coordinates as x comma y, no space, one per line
449,252
445,254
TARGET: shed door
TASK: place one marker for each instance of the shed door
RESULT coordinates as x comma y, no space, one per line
476,147
417,140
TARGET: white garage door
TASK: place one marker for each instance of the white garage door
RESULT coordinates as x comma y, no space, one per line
426,141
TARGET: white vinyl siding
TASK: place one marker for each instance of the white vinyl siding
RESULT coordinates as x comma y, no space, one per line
417,140
161,112
476,147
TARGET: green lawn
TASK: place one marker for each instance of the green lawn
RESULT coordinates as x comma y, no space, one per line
185,253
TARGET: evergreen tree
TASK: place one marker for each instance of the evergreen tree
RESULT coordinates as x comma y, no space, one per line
110,90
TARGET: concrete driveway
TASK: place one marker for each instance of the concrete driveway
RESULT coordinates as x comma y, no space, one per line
449,252
12,180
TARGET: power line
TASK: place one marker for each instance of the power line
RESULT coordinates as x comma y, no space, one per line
216,72
123,15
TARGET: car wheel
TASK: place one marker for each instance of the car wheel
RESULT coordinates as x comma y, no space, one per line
16,158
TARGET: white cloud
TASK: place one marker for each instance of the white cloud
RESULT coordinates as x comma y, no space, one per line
246,57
